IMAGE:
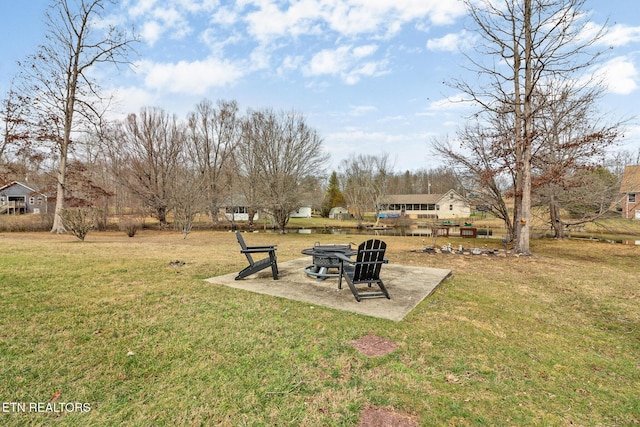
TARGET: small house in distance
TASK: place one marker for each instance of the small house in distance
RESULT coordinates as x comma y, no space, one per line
339,212
19,198
302,212
630,191
422,206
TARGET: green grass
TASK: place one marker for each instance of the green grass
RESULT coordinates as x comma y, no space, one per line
546,340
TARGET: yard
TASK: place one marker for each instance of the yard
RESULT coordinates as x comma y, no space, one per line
127,331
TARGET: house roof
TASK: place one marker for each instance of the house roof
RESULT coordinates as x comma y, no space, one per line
11,184
415,198
630,180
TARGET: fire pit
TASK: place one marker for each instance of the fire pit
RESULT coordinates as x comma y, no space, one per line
324,258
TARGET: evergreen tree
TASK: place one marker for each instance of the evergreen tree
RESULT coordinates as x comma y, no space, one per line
334,196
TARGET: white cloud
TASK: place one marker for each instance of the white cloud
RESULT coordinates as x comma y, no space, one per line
454,102
360,110
225,16
290,63
362,51
330,61
154,29
380,18
619,75
269,21
196,6
453,42
151,32
193,78
129,100
368,69
344,61
141,8
620,35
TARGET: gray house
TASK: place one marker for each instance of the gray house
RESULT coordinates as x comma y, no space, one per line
19,198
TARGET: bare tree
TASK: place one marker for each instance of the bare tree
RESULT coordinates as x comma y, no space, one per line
490,176
213,135
188,196
279,152
365,179
15,131
150,145
572,141
65,95
526,44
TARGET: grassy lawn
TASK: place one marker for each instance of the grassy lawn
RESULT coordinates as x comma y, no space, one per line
552,339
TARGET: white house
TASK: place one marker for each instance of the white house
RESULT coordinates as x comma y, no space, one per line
239,213
339,212
450,205
302,212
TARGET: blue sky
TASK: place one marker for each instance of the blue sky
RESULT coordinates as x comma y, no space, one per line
367,74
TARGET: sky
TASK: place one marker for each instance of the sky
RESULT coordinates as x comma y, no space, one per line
369,75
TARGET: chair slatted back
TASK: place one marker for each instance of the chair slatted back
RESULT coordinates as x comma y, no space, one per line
369,260
243,245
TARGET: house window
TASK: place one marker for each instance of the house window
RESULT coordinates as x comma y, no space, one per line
450,207
31,200
632,197
39,200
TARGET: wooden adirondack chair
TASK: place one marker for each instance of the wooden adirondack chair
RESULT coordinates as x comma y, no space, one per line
364,269
256,266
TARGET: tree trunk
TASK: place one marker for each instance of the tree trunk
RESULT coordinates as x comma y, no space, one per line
556,222
524,223
522,242
58,226
162,215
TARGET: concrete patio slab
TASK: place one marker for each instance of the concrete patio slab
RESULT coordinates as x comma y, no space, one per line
408,286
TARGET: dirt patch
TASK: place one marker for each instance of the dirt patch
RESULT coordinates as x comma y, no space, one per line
381,417
373,345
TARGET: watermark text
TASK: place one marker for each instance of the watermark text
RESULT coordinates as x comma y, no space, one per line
44,407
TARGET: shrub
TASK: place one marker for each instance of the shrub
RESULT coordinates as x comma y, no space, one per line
78,221
130,226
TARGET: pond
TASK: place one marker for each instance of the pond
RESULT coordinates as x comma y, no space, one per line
454,232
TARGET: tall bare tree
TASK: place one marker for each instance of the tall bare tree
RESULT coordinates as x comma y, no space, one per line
490,177
65,94
213,135
279,152
151,145
526,44
364,180
15,136
573,140
188,195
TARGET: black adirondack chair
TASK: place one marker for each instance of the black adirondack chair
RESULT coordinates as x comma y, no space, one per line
256,266
365,269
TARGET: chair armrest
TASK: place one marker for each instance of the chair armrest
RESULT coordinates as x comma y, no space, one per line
343,258
262,247
258,249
